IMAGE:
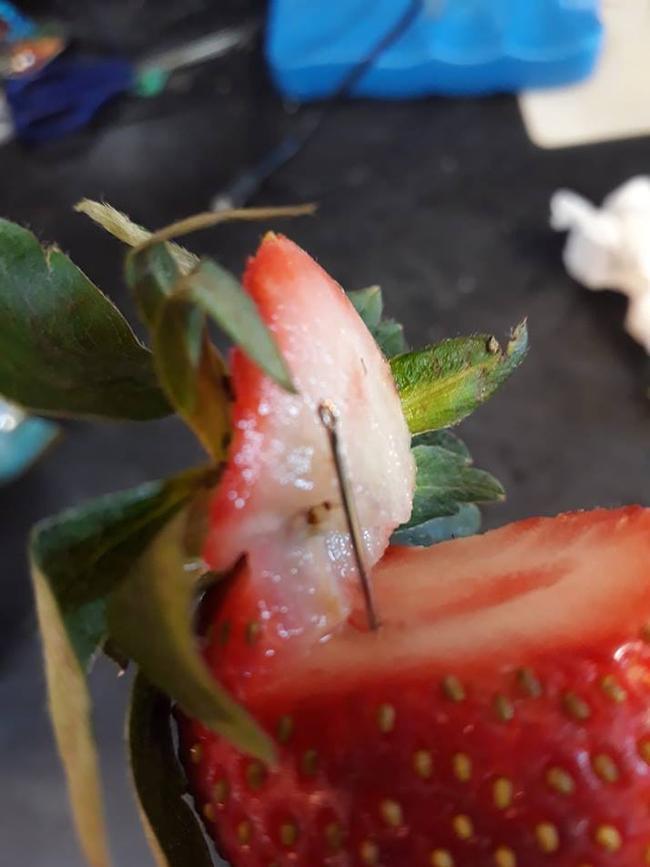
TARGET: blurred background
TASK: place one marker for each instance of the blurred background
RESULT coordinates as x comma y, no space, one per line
428,182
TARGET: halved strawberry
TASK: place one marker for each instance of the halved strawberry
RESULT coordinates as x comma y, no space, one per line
279,500
499,718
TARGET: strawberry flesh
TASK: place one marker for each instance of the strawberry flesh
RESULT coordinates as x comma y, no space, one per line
499,718
279,500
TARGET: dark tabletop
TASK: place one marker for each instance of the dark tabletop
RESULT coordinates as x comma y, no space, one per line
444,203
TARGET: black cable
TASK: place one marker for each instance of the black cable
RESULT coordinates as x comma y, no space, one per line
389,38
236,195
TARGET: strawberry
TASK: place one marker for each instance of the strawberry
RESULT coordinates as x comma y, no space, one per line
404,745
498,718
483,724
279,500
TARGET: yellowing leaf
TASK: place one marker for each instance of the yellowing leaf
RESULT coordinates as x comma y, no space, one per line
150,619
440,385
77,558
124,229
69,704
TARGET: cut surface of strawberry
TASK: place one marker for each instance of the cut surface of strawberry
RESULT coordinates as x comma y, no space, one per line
279,500
499,718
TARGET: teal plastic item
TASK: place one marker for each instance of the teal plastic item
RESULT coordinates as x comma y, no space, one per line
17,25
452,47
23,439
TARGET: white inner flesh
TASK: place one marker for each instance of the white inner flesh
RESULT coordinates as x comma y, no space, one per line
297,546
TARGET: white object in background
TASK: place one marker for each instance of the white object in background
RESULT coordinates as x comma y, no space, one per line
615,102
609,247
10,416
6,123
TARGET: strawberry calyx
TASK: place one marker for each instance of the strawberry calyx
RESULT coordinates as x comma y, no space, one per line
103,570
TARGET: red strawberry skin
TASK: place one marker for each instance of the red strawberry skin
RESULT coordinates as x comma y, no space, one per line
525,744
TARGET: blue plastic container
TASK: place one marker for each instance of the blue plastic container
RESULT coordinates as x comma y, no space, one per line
453,47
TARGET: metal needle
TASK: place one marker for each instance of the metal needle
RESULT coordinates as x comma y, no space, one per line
329,418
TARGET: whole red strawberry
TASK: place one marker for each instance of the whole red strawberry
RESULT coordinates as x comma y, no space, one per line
500,716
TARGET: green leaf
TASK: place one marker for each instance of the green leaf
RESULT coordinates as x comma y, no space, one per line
465,522
155,279
219,294
369,304
193,374
152,274
66,349
388,333
171,826
189,367
447,488
77,558
178,339
445,439
85,551
150,618
442,384
443,480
